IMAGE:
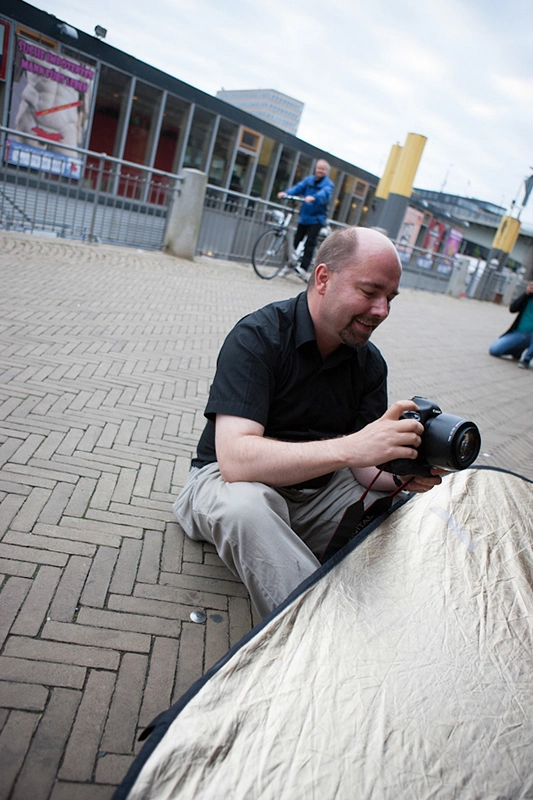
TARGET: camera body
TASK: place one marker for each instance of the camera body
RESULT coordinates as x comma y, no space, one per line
449,442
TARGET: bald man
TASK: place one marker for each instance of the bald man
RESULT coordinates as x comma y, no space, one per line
297,421
316,190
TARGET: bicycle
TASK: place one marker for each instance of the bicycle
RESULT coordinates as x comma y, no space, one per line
274,254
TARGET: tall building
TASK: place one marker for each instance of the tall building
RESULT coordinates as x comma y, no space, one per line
275,107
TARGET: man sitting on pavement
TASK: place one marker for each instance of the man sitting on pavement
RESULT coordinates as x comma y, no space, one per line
298,421
317,190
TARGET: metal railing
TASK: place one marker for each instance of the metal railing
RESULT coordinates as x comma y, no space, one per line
232,223
80,194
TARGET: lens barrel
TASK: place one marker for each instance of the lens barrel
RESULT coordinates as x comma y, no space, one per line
450,442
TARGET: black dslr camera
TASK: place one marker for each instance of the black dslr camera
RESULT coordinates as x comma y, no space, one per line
448,442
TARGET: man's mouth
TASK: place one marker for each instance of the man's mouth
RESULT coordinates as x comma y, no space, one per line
367,325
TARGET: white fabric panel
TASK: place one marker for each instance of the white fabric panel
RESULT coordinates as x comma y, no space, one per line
405,672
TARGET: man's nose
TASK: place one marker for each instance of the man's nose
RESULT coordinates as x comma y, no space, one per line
380,307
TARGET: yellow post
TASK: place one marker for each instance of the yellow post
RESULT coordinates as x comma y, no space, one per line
404,175
386,179
507,234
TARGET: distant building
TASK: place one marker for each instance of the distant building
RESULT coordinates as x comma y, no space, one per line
275,107
480,220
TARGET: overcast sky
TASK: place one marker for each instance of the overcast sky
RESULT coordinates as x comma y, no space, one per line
459,72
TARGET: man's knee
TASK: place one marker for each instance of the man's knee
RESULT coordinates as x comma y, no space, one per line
246,502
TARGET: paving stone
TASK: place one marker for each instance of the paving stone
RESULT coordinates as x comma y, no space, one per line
12,596
39,770
94,636
30,648
123,581
70,587
35,607
84,741
99,577
14,743
48,673
24,696
123,714
65,790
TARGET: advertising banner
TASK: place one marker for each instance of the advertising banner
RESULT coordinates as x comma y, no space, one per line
450,249
411,225
51,98
431,243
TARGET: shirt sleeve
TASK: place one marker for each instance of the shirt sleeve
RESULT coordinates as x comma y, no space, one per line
243,385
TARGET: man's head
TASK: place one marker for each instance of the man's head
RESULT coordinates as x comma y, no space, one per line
356,277
321,168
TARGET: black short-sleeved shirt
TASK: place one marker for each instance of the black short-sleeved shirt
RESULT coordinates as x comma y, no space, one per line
270,370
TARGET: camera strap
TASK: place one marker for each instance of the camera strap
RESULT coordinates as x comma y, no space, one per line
356,517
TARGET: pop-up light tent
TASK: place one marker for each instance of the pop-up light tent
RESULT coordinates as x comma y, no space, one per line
403,668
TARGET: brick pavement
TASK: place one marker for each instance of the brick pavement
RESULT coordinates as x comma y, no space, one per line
106,356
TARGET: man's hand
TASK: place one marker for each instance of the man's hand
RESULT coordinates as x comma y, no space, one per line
282,194
420,485
309,199
388,438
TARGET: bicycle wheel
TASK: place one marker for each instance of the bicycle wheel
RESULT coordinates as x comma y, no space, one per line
270,253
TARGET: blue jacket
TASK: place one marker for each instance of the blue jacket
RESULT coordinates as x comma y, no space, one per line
311,213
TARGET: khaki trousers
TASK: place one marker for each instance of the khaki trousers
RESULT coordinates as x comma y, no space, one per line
270,538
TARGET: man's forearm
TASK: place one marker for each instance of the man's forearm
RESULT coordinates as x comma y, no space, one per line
245,454
275,463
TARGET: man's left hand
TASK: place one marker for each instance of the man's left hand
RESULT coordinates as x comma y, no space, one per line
421,484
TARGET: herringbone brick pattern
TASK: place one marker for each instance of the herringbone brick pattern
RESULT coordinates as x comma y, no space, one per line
106,355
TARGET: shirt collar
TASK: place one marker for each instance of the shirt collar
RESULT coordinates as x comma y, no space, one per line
305,332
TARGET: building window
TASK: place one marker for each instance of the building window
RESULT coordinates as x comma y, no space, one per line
283,174
303,168
143,119
263,169
250,140
167,152
199,139
222,152
109,110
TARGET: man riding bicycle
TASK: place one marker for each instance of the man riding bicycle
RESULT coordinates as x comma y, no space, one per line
316,190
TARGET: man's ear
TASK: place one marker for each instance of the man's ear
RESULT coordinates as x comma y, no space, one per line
322,276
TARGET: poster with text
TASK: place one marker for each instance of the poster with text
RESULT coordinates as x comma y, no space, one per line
450,249
412,222
431,243
51,98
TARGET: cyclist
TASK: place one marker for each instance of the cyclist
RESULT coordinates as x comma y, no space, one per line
317,190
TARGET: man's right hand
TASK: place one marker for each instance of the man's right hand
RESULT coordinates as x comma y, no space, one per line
386,439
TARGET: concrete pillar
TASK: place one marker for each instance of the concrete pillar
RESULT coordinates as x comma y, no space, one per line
402,184
458,278
185,215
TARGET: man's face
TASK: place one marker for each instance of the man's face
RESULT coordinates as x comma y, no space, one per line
357,299
321,169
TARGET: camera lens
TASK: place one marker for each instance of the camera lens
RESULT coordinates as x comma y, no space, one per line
466,446
451,442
